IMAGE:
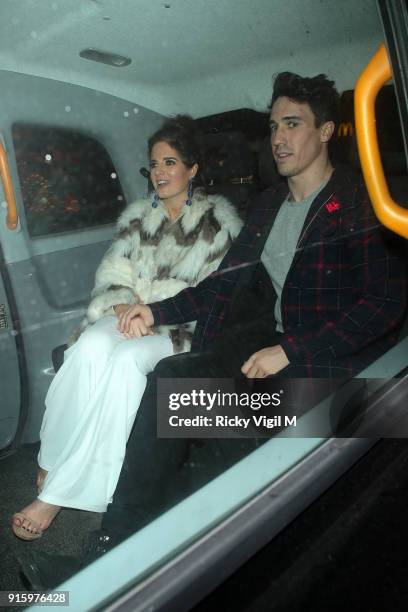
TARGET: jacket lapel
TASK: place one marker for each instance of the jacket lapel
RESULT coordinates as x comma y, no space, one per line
323,216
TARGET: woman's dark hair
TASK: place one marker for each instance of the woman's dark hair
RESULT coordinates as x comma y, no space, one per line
318,92
180,133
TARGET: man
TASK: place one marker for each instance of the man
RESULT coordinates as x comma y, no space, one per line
309,289
339,290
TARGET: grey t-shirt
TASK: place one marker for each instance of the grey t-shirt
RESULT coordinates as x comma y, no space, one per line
280,247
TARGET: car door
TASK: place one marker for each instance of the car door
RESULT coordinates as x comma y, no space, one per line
12,364
73,156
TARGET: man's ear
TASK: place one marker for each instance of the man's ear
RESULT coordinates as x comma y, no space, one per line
326,131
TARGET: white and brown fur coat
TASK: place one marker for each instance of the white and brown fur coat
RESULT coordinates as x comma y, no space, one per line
153,258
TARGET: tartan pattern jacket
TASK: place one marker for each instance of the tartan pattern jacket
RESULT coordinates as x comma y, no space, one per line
344,295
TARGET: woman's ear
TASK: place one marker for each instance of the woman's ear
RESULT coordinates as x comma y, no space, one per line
194,170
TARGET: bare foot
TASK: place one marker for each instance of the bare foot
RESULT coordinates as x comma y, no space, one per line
34,519
41,476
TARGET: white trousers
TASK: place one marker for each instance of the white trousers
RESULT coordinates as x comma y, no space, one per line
91,406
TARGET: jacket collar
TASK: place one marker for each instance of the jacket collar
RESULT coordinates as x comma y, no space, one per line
325,211
327,207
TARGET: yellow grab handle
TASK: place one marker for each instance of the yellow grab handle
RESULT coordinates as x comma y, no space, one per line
12,215
373,77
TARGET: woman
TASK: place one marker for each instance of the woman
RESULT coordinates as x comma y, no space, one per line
162,245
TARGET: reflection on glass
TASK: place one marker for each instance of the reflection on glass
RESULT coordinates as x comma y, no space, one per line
67,180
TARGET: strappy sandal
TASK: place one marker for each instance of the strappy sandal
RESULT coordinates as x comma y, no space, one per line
22,532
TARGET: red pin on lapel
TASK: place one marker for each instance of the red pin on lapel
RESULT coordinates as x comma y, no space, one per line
333,205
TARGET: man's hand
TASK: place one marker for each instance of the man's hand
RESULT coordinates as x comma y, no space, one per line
265,362
119,309
144,317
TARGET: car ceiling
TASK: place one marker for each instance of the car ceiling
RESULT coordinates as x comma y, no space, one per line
183,51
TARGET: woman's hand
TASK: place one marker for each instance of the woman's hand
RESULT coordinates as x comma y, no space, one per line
144,320
137,329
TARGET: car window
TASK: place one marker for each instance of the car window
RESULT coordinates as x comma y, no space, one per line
390,140
67,179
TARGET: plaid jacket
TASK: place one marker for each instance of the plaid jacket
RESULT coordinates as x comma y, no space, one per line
344,294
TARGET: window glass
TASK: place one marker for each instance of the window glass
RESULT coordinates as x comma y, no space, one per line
390,140
68,181
69,184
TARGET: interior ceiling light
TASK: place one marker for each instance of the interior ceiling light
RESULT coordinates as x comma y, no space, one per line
112,59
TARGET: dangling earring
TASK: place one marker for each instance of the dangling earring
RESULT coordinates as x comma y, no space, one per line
155,202
189,200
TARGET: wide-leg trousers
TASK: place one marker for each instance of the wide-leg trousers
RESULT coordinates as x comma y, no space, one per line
90,409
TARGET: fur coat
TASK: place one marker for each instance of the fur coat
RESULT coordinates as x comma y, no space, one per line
153,258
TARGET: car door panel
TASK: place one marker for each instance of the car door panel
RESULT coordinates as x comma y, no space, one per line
9,374
52,275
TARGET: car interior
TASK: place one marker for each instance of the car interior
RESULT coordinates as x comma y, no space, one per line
84,84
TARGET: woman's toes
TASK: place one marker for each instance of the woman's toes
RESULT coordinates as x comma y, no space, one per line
37,516
29,525
17,519
24,527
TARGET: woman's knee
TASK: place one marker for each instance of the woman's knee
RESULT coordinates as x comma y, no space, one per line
143,352
125,351
98,340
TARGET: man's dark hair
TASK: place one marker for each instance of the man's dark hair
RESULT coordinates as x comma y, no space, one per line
182,135
318,92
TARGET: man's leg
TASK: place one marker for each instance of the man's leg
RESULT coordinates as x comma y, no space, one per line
141,493
153,478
